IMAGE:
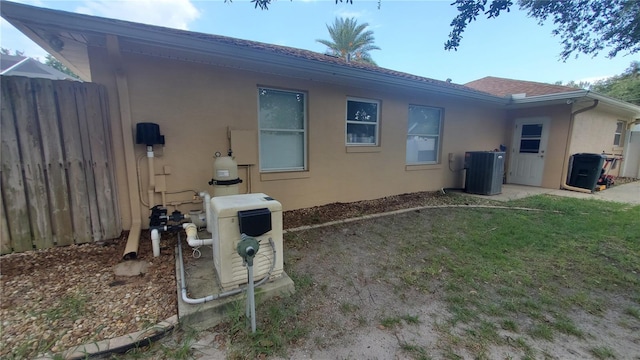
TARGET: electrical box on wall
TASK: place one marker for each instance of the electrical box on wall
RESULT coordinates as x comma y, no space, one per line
257,215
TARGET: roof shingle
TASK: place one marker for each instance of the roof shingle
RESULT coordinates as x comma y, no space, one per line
506,87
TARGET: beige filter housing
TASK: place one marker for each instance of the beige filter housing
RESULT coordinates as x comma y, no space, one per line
226,235
225,169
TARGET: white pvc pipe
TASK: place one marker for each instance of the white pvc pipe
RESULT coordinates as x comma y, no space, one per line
192,236
152,176
183,285
155,242
206,200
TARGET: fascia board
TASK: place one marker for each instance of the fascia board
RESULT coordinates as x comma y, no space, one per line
573,95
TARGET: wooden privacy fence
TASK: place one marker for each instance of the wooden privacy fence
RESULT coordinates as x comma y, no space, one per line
57,181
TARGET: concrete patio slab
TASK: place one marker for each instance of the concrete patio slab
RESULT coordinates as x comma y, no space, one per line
628,193
201,281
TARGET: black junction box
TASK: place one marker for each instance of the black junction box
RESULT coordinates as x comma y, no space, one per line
254,222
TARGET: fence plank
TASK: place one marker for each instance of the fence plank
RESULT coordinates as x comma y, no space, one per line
99,156
5,238
54,160
31,154
78,195
83,122
13,191
106,123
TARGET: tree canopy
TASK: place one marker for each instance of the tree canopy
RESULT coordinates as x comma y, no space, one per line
56,64
625,86
584,26
350,40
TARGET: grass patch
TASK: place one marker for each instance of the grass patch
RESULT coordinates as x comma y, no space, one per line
278,324
602,352
509,325
390,322
566,326
520,271
415,351
541,331
633,312
71,306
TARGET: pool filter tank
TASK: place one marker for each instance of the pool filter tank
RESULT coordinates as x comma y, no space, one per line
225,176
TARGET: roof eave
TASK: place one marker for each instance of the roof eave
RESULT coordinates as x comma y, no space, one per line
22,16
571,96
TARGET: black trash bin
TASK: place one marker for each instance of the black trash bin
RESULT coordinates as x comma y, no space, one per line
585,170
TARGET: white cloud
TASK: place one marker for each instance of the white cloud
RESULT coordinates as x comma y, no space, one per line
170,13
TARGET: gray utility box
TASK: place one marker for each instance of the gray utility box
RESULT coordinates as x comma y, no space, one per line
485,170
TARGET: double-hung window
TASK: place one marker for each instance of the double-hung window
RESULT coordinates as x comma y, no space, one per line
423,135
362,121
283,138
617,137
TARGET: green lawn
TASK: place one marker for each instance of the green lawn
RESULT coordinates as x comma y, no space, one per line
496,271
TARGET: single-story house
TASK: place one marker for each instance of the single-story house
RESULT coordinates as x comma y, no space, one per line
307,128
604,129
16,65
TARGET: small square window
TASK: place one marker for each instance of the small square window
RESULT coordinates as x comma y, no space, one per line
362,122
617,137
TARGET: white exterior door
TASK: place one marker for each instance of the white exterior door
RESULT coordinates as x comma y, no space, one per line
530,138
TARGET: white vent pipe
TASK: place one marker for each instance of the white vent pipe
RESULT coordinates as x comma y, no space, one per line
155,242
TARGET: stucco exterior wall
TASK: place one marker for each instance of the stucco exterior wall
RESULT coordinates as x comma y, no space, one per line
556,145
594,133
195,104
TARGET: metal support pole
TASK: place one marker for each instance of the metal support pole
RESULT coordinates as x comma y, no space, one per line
251,299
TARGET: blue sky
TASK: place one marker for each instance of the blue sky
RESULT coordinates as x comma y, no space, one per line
410,34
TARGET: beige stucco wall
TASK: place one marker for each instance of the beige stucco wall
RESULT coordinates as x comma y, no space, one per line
556,145
594,133
194,104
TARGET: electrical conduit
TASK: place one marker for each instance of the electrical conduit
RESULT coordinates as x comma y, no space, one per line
183,286
152,176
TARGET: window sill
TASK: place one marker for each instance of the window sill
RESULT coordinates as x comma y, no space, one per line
422,167
362,149
285,175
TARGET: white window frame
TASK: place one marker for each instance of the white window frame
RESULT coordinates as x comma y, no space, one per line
349,138
618,139
438,137
303,131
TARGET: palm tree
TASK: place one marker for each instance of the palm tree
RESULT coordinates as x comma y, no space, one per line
350,41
